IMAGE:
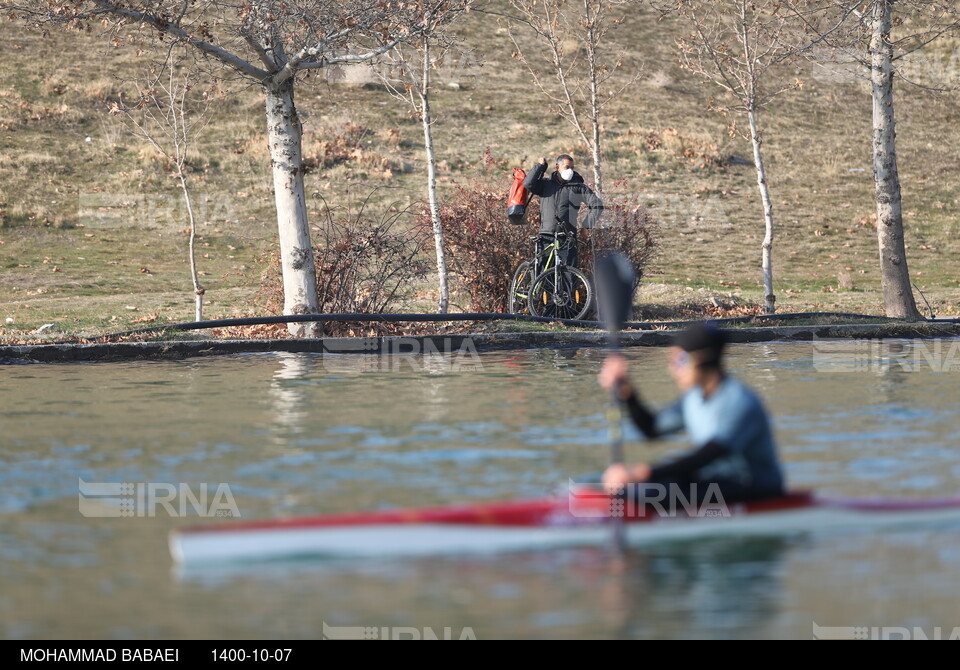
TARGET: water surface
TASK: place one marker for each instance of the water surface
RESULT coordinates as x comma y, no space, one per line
298,434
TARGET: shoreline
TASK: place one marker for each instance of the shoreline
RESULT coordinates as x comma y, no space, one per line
416,344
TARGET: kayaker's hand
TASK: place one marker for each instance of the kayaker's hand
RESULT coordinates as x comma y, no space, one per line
619,475
615,478
614,376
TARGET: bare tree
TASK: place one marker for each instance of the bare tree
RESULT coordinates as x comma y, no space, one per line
269,43
862,33
577,82
739,46
168,117
408,77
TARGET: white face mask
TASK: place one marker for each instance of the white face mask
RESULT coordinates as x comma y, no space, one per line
566,175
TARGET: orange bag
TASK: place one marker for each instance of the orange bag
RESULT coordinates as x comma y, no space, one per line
519,197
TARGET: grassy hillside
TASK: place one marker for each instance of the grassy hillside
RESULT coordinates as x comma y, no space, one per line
66,259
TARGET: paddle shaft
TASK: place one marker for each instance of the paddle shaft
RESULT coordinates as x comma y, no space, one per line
615,432
615,284
615,412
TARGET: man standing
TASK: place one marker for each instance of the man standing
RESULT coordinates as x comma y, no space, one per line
561,196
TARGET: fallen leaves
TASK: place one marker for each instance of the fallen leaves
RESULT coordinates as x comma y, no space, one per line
273,331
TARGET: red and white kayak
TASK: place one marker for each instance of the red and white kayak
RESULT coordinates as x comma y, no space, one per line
580,518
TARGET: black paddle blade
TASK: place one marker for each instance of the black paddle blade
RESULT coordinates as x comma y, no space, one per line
615,279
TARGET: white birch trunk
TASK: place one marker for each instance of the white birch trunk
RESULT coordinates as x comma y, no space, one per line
594,103
898,298
198,290
595,150
432,181
769,298
284,134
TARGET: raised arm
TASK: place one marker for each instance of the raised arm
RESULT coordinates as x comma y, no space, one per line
533,181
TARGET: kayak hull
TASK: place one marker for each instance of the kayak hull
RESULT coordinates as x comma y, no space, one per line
581,519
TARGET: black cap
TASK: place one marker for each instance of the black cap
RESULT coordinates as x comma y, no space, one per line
705,337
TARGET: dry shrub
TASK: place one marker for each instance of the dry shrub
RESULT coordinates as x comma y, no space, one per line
366,264
345,143
691,152
36,215
483,247
627,227
16,110
101,90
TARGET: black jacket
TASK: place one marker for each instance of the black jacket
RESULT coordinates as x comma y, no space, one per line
560,201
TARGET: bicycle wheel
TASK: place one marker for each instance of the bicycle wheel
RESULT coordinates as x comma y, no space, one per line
519,294
563,294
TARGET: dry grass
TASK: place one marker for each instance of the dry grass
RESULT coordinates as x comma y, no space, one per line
663,148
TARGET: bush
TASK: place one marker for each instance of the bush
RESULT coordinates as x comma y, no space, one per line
482,247
365,264
626,227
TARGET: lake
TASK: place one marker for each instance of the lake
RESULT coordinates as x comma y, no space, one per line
304,434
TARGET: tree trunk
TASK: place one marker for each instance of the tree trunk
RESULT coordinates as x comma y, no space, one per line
595,150
284,134
198,290
898,298
594,96
432,181
769,298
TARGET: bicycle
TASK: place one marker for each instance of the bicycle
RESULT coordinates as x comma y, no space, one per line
547,286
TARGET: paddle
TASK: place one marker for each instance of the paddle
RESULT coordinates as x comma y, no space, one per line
614,277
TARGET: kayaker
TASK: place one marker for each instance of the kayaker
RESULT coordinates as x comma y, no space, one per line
725,419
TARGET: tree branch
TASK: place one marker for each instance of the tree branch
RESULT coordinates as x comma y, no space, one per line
168,28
